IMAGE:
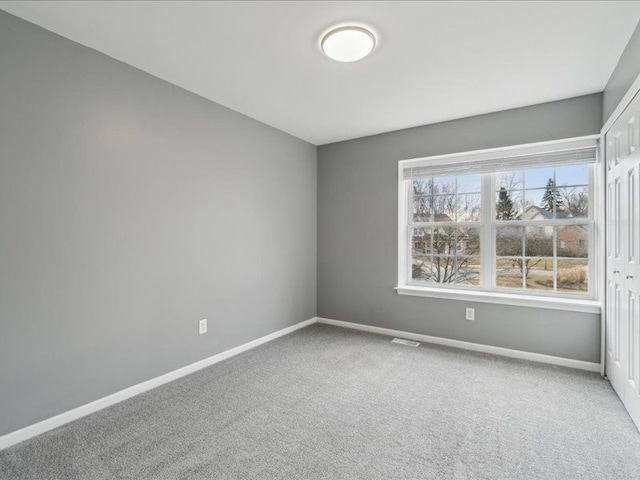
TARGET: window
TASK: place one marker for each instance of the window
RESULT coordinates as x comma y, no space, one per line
488,222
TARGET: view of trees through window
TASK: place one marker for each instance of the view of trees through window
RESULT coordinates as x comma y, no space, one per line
539,226
449,250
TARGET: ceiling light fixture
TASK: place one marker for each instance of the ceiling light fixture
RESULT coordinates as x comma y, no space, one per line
348,44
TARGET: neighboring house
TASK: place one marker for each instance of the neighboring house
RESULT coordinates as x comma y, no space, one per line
445,239
533,212
572,240
419,243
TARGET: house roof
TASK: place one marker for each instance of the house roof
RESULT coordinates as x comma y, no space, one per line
533,210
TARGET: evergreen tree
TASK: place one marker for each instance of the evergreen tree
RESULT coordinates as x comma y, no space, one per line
505,209
551,197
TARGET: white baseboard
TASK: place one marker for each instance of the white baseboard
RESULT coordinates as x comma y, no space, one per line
476,347
79,412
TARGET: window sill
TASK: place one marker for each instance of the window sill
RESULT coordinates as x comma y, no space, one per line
553,303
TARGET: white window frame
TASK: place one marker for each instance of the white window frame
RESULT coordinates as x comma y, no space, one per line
588,303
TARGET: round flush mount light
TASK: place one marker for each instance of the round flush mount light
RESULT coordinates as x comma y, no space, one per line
348,43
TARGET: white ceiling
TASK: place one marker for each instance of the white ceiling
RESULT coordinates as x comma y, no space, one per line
434,61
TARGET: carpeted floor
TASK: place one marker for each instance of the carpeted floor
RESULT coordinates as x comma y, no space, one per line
330,403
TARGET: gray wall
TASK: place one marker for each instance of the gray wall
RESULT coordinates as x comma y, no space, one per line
357,233
623,76
129,210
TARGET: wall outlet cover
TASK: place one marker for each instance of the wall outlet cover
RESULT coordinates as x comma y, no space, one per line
202,326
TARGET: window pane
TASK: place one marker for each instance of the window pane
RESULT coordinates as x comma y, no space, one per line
422,208
539,273
421,270
538,177
444,269
509,241
572,175
422,186
509,273
440,269
447,269
420,241
447,199
575,202
444,208
469,209
508,204
572,241
468,271
443,241
572,275
538,241
445,255
510,180
467,241
468,184
538,206
444,185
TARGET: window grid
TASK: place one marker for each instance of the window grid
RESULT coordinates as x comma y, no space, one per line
487,225
452,255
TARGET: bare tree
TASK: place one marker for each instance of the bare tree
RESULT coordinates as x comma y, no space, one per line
576,202
436,202
510,181
445,266
422,199
536,246
430,198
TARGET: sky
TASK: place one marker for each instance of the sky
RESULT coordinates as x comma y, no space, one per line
568,179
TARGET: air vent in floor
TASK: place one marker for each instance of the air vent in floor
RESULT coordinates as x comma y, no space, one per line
402,341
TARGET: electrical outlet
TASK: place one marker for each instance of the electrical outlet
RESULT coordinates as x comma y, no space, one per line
202,326
470,314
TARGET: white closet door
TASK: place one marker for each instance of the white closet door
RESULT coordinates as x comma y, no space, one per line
631,281
615,234
623,257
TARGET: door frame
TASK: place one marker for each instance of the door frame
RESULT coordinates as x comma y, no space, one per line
600,183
